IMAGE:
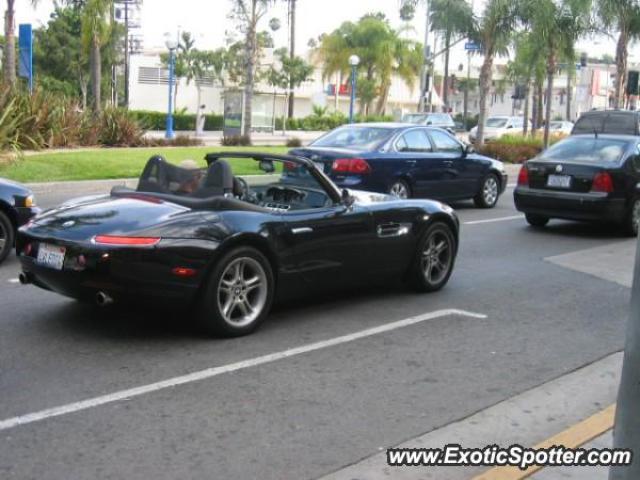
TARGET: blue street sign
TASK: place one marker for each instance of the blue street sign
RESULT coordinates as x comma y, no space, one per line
25,60
471,46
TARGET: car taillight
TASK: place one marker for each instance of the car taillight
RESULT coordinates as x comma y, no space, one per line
289,166
602,182
351,165
523,176
126,241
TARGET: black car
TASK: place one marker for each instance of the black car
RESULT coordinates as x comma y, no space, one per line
583,177
17,207
407,161
228,247
616,122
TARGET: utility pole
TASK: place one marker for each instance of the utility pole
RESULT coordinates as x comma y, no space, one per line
292,53
126,53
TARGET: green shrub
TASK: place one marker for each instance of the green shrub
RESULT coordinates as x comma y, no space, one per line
327,122
179,141
181,121
119,128
294,142
236,141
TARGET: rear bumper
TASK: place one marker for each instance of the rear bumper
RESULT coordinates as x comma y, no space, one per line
569,205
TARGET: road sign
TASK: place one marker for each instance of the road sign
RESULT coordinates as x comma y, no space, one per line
471,46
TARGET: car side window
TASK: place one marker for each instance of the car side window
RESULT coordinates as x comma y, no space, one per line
444,142
414,141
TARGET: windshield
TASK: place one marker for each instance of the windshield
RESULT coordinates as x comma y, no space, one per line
496,122
356,138
415,118
586,150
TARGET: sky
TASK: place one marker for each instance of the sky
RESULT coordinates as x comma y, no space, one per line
207,21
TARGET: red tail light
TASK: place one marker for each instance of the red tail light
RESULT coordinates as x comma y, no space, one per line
126,241
183,272
523,176
358,166
289,166
602,182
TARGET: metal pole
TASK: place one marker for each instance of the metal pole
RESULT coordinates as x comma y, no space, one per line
126,53
466,88
353,92
170,133
426,68
626,433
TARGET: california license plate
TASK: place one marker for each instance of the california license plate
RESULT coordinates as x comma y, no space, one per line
559,181
51,256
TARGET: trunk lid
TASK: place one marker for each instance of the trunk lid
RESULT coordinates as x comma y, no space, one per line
563,176
324,157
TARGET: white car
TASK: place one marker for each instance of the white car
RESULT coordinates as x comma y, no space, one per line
561,126
497,126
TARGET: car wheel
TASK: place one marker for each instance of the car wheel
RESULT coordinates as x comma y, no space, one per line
489,192
400,189
239,293
7,235
536,220
632,222
434,258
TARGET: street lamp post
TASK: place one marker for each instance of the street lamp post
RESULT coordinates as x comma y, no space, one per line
172,45
354,61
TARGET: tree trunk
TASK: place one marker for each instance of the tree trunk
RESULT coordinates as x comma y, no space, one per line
621,67
551,70
540,88
250,67
445,80
96,74
84,87
525,126
381,108
570,75
9,61
485,85
292,53
465,105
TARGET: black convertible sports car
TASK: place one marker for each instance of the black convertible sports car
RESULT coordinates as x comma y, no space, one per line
212,240
17,207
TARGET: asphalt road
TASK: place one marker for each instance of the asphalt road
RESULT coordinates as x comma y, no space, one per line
308,414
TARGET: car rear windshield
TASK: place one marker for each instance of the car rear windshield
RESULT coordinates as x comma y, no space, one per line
581,149
496,122
357,138
616,123
415,118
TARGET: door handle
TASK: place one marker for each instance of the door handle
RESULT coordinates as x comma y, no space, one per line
301,230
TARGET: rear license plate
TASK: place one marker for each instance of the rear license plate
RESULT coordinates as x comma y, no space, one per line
51,256
559,181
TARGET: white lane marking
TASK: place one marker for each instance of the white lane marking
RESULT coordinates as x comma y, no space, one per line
492,220
233,367
13,280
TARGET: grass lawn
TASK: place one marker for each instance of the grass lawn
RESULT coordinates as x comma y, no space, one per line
114,163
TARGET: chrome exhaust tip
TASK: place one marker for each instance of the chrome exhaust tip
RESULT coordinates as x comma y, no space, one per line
103,299
24,278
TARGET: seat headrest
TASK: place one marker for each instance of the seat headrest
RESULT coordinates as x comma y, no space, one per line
219,175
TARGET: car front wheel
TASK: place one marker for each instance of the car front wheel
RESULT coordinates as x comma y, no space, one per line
7,236
238,295
489,192
434,258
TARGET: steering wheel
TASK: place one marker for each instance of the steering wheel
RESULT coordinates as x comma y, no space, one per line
243,194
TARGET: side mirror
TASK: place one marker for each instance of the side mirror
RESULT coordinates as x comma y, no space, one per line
267,166
347,199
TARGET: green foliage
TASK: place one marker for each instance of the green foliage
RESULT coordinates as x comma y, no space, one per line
181,121
118,127
290,70
325,122
294,142
236,141
516,148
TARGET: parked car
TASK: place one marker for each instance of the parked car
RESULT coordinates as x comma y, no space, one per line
498,126
620,122
583,177
229,248
442,120
407,161
561,127
17,207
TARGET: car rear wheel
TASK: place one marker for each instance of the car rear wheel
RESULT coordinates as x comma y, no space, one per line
434,258
239,293
632,222
7,236
400,189
489,192
536,220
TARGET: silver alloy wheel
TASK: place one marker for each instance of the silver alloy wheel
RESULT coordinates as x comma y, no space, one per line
399,189
490,190
635,217
436,257
242,291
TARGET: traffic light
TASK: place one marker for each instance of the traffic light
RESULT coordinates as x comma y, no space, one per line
632,82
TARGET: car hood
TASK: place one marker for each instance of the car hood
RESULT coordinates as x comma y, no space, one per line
14,187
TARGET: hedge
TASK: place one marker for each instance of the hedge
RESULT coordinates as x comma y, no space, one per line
516,148
327,122
181,121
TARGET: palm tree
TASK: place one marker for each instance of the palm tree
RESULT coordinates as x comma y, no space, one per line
557,24
292,53
467,85
493,32
623,16
452,19
9,63
96,28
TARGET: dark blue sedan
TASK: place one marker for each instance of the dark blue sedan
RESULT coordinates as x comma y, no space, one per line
407,161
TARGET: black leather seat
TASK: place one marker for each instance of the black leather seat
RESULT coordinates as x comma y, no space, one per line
218,181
